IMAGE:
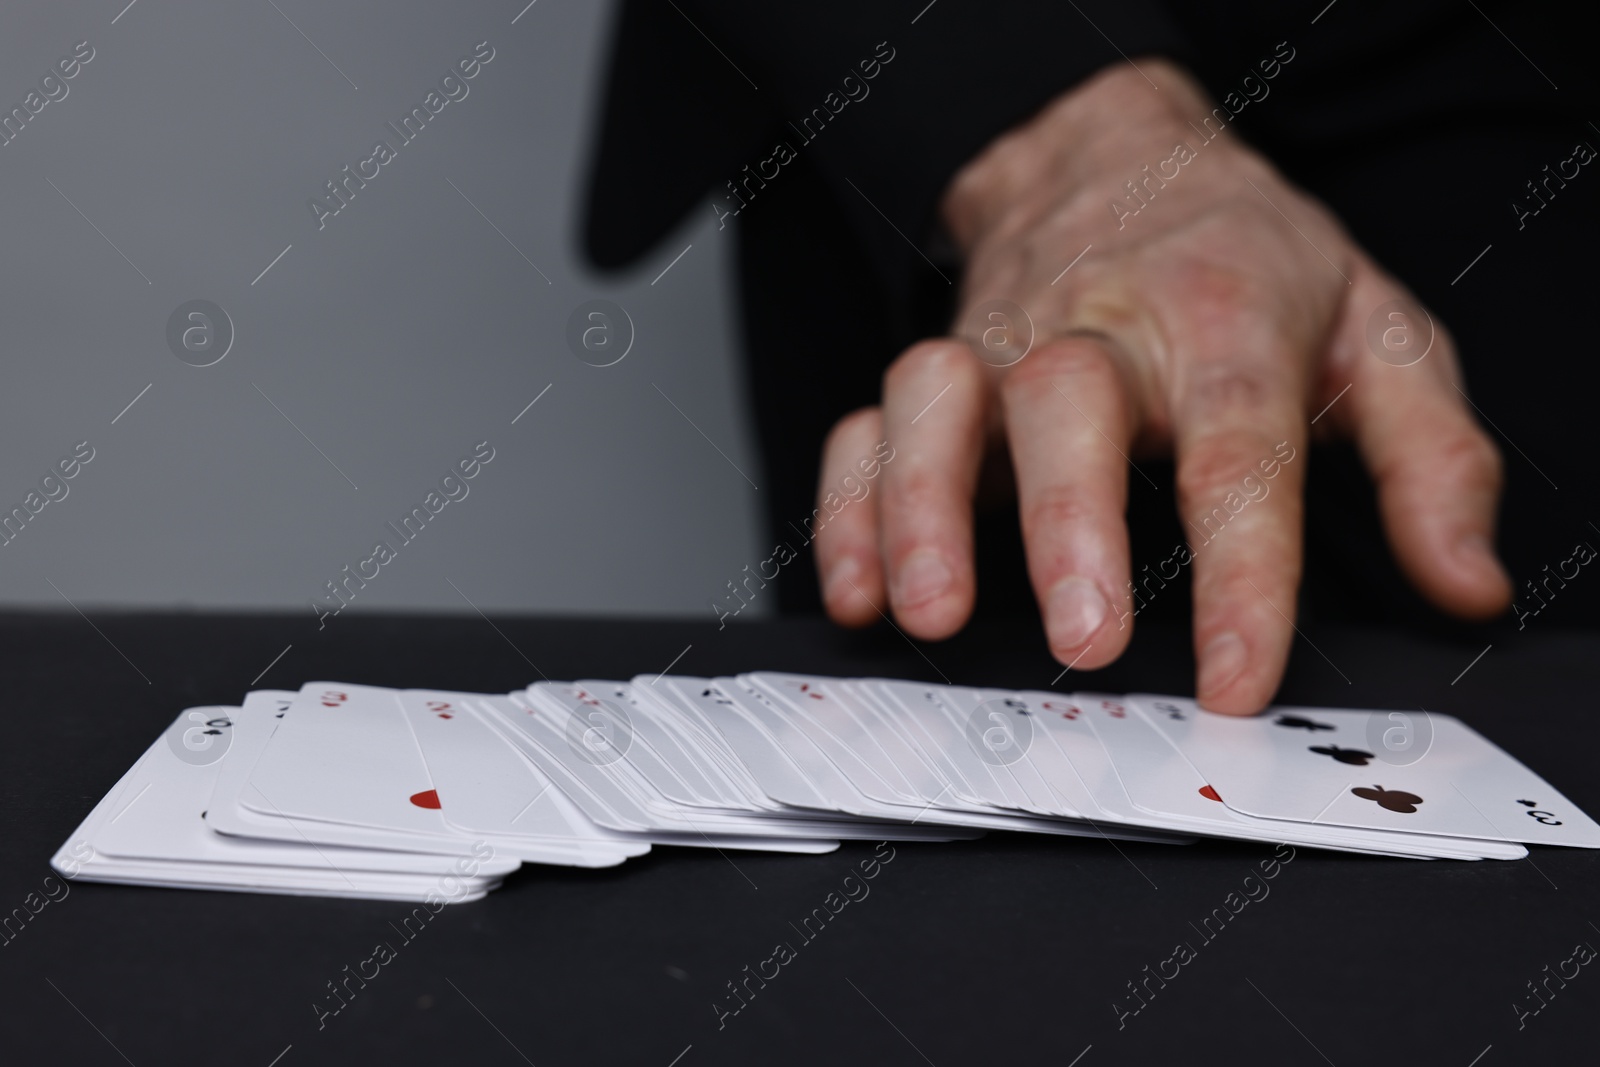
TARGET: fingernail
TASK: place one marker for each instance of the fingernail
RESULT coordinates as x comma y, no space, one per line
840,584
922,577
1074,610
1222,661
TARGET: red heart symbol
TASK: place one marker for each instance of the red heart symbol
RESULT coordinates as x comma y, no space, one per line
1210,794
428,798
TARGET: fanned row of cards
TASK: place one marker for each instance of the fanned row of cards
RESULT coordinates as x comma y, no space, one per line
357,791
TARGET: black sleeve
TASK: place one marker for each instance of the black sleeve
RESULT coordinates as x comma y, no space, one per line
673,115
890,98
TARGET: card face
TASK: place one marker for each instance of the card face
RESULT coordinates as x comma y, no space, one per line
771,770
253,730
998,729
544,728
661,743
914,709
155,821
1090,782
839,774
253,727
528,724
601,731
890,732
822,713
1406,771
488,788
345,754
1160,782
834,792
158,811
702,757
487,783
919,773
1155,776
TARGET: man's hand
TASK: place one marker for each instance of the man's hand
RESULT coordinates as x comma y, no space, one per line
1213,324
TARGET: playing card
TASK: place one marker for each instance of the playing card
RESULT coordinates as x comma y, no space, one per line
551,734
148,830
1406,771
487,788
159,814
357,791
653,734
704,743
838,726
915,711
344,753
600,728
1160,782
837,792
854,738
997,727
253,727
345,762
770,768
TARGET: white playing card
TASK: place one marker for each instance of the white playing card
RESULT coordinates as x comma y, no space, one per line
253,730
149,830
704,743
845,728
522,723
488,788
1334,767
658,739
1160,782
764,760
915,767
423,795
915,710
596,720
996,730
344,768
548,733
836,790
159,815
837,725
344,753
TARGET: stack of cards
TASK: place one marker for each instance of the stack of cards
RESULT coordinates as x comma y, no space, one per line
349,790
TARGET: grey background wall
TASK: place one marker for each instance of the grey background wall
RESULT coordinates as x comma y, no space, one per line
374,352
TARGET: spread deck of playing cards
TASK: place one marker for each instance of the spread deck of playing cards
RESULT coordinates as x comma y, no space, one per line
352,790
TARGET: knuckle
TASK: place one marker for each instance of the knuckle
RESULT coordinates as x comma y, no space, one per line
1468,454
1216,295
1228,387
1077,360
1257,587
1057,508
928,360
918,491
1217,464
1458,453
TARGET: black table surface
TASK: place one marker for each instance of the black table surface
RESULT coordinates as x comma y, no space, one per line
1008,949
